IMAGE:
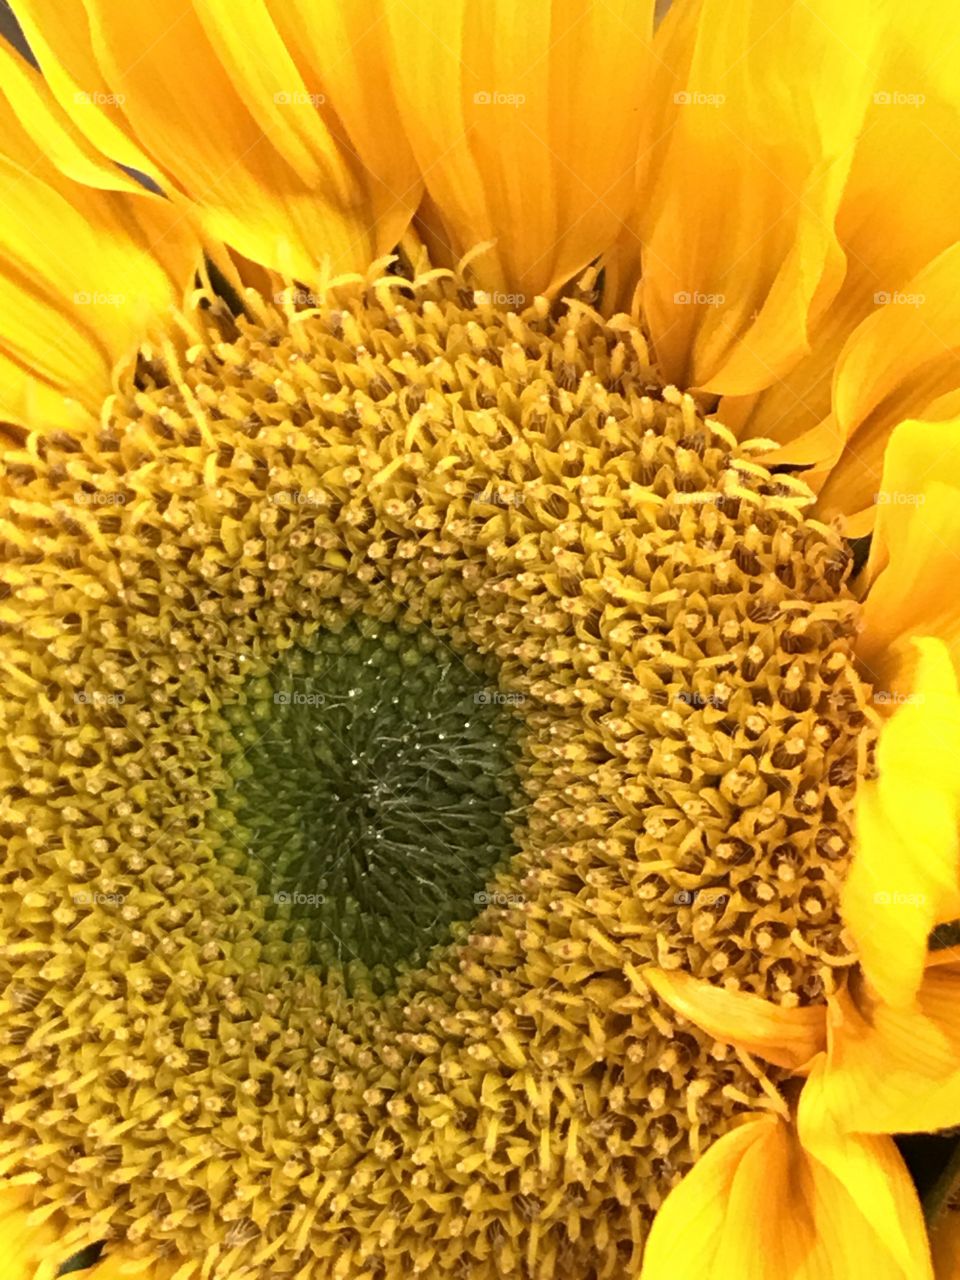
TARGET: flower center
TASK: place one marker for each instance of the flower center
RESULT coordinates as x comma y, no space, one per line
391,504
373,794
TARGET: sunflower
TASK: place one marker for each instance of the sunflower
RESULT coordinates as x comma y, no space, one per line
480,709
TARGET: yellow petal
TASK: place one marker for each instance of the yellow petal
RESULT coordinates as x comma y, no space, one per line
346,56
893,219
499,103
871,1169
787,1037
912,568
22,1242
741,255
905,875
758,1206
896,1070
895,363
88,274
693,1224
62,142
669,67
315,78
65,53
206,134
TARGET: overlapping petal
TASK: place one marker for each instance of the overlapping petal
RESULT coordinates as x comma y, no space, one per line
905,873
893,1070
899,361
895,223
915,554
525,124
216,111
741,255
85,277
761,1205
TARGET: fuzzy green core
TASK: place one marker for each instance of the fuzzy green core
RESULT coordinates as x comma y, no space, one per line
374,791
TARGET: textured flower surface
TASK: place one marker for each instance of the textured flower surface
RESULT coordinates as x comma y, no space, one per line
478,639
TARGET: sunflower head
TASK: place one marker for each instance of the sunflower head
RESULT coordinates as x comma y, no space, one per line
466,779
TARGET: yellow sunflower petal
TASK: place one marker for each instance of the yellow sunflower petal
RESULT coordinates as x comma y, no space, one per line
32,101
904,876
787,1037
21,1241
896,1070
741,255
893,219
895,363
345,54
757,1206
88,274
913,558
201,130
314,77
690,1229
64,51
872,1169
498,102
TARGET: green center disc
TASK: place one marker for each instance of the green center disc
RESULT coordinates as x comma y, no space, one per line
375,792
